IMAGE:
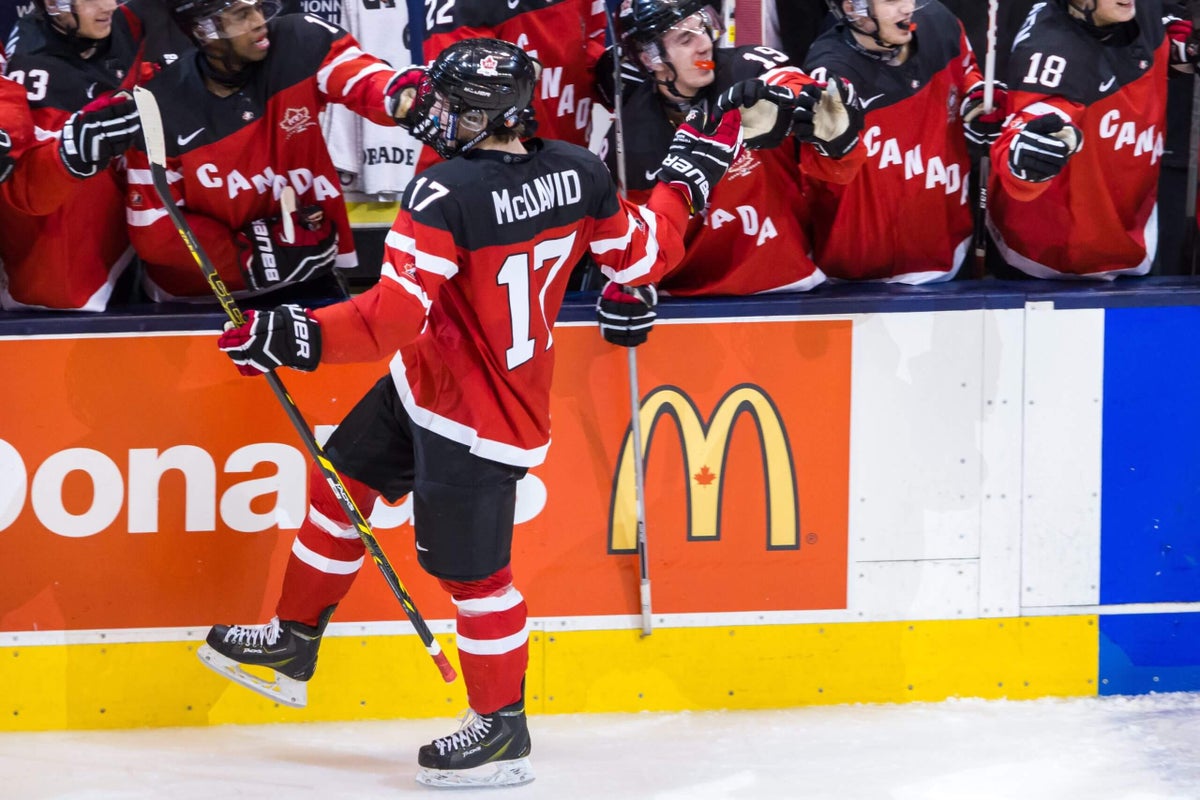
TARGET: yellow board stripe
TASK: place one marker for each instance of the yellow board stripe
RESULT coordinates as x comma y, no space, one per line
371,214
736,667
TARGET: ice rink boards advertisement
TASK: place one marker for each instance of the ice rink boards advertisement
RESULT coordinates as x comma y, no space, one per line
996,500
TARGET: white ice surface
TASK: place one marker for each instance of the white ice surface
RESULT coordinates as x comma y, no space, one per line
1140,748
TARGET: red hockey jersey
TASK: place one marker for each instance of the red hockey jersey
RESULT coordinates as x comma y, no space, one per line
906,217
474,273
566,36
754,235
62,240
15,118
229,158
1098,217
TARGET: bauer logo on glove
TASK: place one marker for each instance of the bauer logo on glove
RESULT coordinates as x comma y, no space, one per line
269,259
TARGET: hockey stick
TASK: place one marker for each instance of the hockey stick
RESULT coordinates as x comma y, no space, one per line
635,400
156,151
985,161
287,207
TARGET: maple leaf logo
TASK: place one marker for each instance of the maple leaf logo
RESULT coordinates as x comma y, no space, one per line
705,476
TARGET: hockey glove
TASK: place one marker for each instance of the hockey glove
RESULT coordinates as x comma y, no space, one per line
400,93
1185,44
697,159
830,117
766,111
286,336
268,260
626,313
6,160
983,128
98,133
1042,148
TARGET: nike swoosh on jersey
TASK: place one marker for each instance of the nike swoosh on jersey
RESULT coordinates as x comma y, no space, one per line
1104,87
422,549
868,100
651,174
182,141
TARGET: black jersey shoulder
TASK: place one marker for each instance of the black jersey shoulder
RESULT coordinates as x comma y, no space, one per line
489,199
299,46
447,17
1053,53
53,73
193,117
736,64
938,42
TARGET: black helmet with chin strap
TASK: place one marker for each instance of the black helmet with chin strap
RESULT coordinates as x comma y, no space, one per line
474,87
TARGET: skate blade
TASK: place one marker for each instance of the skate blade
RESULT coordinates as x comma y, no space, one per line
284,690
497,773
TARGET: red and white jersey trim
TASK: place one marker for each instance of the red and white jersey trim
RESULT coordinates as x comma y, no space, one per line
97,302
1031,267
641,267
457,432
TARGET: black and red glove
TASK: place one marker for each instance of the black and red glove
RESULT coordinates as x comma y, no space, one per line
982,128
286,336
1184,40
401,92
268,259
699,156
626,313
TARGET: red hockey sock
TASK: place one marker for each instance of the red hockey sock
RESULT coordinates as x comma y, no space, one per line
326,554
493,645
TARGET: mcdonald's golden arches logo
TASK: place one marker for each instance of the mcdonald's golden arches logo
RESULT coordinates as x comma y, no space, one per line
705,447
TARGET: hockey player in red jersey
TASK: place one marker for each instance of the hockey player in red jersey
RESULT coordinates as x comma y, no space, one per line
474,274
62,235
753,237
242,124
907,215
1077,166
566,36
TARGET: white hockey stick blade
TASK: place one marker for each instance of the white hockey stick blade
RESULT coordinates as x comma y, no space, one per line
287,205
152,127
497,773
283,690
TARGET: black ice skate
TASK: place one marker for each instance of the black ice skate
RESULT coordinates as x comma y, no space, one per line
488,750
288,649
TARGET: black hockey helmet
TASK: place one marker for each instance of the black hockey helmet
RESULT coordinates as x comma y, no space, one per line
475,86
203,20
642,22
